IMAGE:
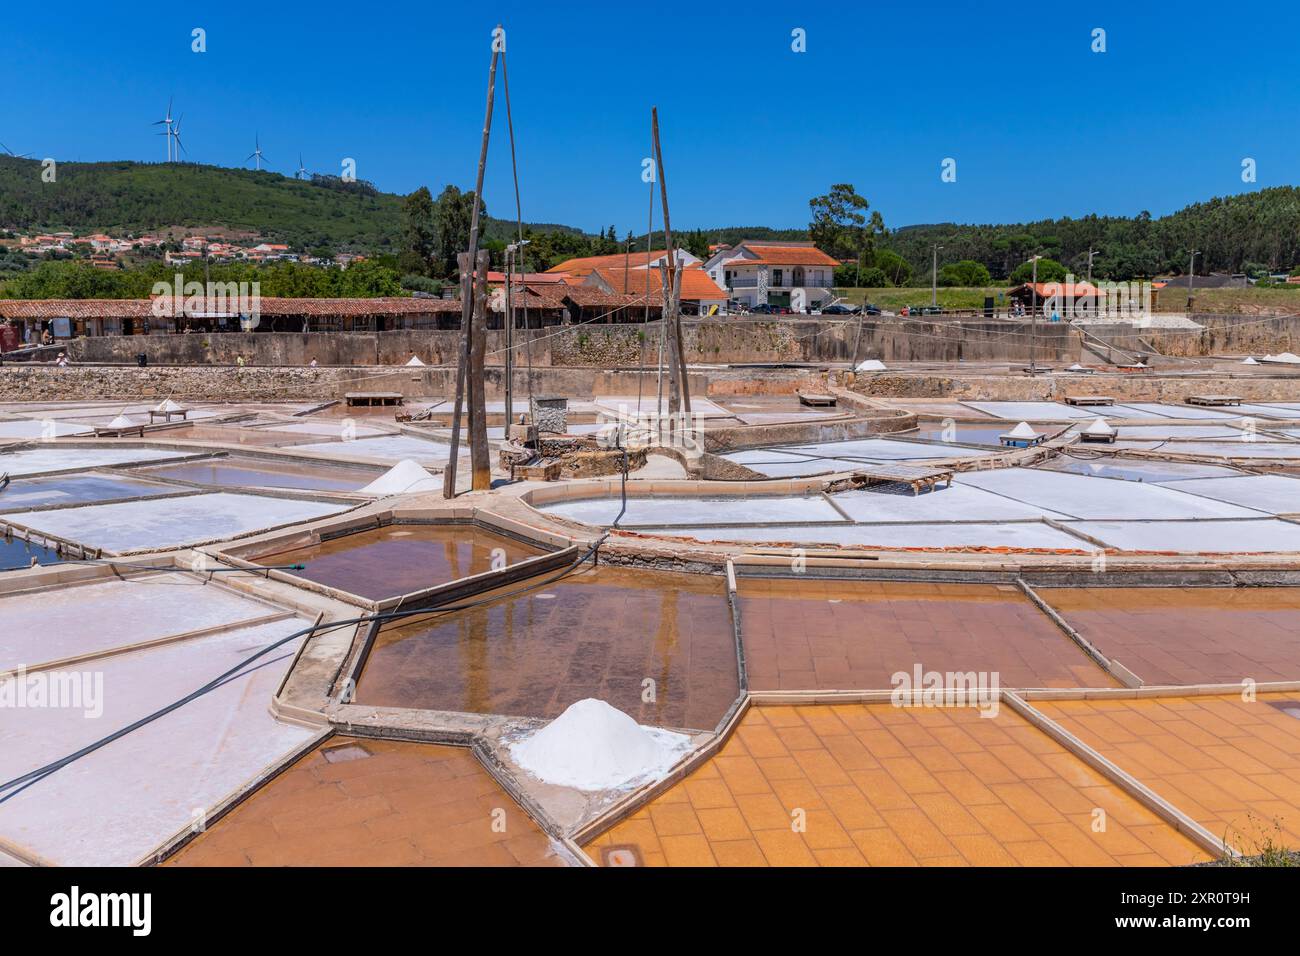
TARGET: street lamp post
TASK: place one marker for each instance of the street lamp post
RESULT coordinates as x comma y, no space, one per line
1033,320
934,277
512,251
1191,281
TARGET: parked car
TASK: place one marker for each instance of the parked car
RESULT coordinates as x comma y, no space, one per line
839,309
870,309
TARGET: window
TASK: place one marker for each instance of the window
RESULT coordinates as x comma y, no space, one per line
777,276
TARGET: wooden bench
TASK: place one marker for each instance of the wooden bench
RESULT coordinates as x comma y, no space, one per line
816,399
1089,400
918,476
1213,400
373,398
167,415
543,469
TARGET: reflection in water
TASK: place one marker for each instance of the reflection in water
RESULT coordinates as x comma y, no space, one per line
16,554
597,633
398,559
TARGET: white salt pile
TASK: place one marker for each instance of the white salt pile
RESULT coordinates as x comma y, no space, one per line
1289,357
404,477
415,360
870,365
1248,361
168,406
121,421
593,746
1099,426
1022,431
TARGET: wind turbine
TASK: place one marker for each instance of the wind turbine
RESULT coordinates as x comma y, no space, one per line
301,168
176,134
256,154
13,154
167,122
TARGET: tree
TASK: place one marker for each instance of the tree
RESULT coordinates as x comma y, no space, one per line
895,268
965,272
1049,270
839,224
419,233
452,215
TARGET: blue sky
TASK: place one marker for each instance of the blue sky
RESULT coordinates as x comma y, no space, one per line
1038,124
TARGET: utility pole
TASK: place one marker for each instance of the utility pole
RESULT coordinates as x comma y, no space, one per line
510,337
680,397
1091,253
473,344
1033,321
934,276
1191,279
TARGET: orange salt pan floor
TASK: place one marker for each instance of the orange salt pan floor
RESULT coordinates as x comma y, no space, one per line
1189,635
888,786
1232,765
375,803
812,634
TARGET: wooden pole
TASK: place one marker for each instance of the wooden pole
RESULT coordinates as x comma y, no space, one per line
466,292
466,368
480,456
680,397
510,341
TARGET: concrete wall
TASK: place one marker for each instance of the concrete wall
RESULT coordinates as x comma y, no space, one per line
1136,387
607,346
1222,335
217,383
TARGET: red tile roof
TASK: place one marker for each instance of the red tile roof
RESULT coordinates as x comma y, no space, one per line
696,284
587,265
777,255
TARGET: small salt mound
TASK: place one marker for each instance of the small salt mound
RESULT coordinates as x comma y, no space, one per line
121,422
593,746
1022,431
168,406
1283,357
1076,367
404,477
1248,361
1099,426
870,365
415,360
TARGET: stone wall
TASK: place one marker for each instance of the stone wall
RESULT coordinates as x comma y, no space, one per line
1134,387
253,383
710,341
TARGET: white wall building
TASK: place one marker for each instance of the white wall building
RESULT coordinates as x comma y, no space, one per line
793,274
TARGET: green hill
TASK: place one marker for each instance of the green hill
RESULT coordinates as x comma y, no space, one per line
119,197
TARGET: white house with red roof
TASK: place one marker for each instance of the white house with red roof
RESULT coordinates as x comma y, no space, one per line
793,274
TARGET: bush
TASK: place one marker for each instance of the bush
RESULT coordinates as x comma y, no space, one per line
418,283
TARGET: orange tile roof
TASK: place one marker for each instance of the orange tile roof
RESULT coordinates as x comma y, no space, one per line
807,255
587,265
1069,289
696,284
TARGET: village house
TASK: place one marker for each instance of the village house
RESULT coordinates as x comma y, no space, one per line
796,275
